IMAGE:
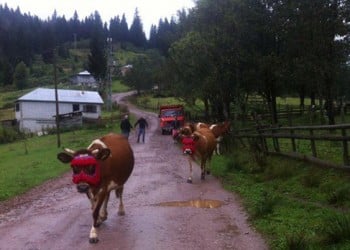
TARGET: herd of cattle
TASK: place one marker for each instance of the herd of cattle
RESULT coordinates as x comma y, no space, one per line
107,163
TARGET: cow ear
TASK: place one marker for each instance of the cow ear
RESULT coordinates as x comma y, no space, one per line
103,154
195,137
64,157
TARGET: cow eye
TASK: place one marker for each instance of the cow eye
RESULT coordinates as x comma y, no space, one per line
76,170
90,170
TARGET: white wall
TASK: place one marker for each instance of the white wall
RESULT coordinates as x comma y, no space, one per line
38,116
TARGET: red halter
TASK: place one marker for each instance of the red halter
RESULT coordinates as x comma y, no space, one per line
188,145
83,161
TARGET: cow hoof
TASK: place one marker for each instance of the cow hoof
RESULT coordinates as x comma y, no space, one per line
93,240
121,213
189,181
203,177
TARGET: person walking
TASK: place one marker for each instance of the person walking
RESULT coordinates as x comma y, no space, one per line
125,126
142,128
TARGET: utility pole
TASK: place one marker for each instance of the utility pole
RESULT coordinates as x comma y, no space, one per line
56,100
110,66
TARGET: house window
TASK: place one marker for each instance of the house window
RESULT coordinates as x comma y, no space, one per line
17,107
90,109
76,107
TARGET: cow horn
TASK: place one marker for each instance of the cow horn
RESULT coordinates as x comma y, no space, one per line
95,151
69,151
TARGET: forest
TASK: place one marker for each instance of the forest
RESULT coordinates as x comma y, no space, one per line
222,52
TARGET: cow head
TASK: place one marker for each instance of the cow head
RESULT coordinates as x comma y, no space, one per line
186,130
85,166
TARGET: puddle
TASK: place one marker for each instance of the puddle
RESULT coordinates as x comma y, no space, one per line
193,203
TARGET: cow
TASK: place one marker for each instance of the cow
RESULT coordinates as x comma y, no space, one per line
219,130
198,144
105,165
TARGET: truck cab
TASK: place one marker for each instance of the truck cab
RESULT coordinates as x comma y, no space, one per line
167,116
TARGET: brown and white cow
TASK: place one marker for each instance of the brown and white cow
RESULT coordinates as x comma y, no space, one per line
219,130
105,165
204,144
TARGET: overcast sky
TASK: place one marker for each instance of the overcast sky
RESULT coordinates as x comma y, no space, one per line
150,11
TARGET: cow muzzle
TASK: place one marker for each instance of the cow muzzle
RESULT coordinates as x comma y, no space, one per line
83,187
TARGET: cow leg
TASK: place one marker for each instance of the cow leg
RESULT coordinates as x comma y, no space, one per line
100,198
208,161
103,211
189,180
93,235
203,169
119,194
217,150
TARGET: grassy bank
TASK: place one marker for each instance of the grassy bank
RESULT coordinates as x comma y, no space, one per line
296,206
28,163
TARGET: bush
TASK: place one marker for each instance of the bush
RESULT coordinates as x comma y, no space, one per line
337,229
8,135
265,206
297,241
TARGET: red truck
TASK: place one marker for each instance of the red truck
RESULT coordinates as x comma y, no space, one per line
167,116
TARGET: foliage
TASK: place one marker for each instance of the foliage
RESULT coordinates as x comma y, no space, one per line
142,75
28,163
20,76
337,229
137,35
289,212
97,64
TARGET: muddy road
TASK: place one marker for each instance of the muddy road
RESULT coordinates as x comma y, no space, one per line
162,210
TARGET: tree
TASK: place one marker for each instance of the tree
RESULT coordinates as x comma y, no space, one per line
193,69
97,59
140,77
136,34
21,76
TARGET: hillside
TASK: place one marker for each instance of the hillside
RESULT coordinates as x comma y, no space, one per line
42,75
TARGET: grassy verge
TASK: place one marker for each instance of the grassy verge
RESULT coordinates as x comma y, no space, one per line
28,163
296,206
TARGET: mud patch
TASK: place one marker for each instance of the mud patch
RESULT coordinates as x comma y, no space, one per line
192,203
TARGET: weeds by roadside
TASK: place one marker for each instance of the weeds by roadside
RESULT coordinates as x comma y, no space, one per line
295,205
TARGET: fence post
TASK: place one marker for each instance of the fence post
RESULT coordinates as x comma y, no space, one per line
345,148
313,146
275,142
293,140
262,140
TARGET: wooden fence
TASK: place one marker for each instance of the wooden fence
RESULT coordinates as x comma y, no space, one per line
269,140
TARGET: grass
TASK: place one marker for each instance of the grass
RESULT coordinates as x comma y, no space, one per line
288,201
294,205
21,170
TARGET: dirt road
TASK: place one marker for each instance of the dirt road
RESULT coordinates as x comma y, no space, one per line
163,211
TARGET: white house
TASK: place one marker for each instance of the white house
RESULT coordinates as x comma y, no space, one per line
36,110
85,79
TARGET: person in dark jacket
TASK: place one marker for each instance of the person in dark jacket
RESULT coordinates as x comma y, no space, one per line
142,128
125,126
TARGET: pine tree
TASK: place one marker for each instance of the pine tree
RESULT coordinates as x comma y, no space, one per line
137,36
20,76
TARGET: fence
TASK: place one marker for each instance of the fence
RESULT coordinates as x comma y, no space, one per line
312,139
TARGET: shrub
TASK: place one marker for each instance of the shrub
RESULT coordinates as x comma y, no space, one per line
265,206
312,179
339,196
297,241
8,134
337,229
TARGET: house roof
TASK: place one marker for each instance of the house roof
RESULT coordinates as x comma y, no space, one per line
84,73
64,95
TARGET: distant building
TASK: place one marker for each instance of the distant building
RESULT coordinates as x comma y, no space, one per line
125,69
36,110
84,79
